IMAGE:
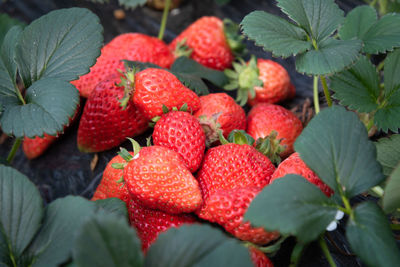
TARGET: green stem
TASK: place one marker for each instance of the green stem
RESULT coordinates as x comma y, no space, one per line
20,97
316,100
272,248
378,190
14,149
326,91
373,3
325,249
370,124
164,19
395,227
296,254
380,66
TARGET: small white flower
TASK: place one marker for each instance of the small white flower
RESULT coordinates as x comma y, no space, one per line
333,225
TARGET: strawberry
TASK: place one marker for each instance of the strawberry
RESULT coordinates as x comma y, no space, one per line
227,208
265,118
259,259
149,223
217,112
231,166
109,185
206,40
35,147
295,165
105,123
260,81
158,179
181,132
156,87
130,46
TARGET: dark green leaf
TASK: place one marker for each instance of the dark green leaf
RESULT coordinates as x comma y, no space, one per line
113,206
335,145
106,240
131,4
358,21
50,104
193,82
54,242
196,245
387,118
6,23
388,150
8,68
391,198
21,210
185,65
332,56
139,66
392,77
320,18
293,206
358,87
275,34
371,238
63,44
383,36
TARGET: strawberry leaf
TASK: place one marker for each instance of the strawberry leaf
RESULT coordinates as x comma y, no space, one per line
319,18
388,150
391,198
378,36
50,104
275,34
344,159
21,210
358,87
6,23
196,245
62,44
293,206
54,242
321,61
113,206
370,236
106,240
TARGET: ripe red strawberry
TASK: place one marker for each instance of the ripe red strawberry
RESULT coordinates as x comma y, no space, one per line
104,123
34,147
227,208
181,132
109,185
130,46
156,87
158,178
208,43
295,165
149,223
265,118
259,259
260,81
219,111
231,166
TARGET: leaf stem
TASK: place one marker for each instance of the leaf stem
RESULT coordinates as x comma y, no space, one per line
326,91
14,149
20,97
380,66
296,254
164,19
316,99
325,249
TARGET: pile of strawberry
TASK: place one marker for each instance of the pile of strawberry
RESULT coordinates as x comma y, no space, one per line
204,164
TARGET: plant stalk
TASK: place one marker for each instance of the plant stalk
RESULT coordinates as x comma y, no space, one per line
164,19
14,149
296,254
19,95
325,249
316,99
326,91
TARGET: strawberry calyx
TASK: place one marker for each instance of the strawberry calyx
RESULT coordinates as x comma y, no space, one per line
128,83
165,110
234,38
182,49
239,137
271,147
243,78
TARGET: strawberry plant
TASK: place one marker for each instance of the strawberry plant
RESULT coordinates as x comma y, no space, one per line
206,193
